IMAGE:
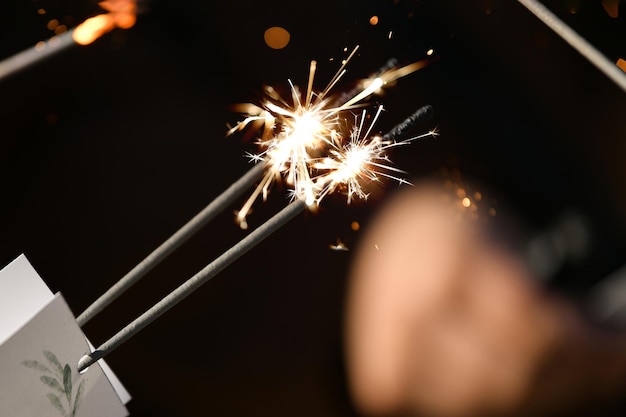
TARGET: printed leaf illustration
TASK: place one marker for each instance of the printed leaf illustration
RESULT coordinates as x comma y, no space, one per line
59,373
67,382
79,394
53,360
52,383
36,365
56,403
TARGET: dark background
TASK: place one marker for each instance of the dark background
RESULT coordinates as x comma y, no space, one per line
106,150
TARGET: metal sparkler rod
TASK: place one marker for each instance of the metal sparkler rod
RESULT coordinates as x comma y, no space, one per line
202,218
35,54
193,283
423,113
213,268
173,242
578,42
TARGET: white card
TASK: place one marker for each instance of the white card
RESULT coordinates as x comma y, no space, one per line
39,370
23,295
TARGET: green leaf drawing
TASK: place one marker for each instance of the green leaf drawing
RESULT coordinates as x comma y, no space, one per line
56,403
53,360
36,365
79,395
52,383
67,382
59,373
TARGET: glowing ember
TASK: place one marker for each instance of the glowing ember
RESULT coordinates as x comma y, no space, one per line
121,14
339,246
309,143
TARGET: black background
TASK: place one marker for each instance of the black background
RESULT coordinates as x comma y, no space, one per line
107,149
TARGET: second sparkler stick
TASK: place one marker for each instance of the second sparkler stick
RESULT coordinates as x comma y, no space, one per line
206,215
173,242
216,266
193,283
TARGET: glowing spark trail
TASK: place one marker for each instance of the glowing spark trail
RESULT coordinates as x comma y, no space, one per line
361,160
310,133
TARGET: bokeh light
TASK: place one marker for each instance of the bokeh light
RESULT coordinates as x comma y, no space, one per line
276,37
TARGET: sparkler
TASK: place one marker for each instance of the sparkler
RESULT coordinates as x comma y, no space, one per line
362,159
193,283
306,143
120,14
359,160
347,164
310,152
346,169
172,243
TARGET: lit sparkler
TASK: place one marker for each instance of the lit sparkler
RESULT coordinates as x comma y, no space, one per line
310,150
304,130
362,159
305,141
119,14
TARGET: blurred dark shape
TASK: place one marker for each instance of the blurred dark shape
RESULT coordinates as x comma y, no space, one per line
443,321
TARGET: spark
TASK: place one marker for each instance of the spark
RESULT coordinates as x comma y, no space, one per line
361,160
307,141
340,246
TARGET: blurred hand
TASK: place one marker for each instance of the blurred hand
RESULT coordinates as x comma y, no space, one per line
442,322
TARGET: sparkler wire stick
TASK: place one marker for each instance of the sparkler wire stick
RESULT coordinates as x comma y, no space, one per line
224,260
423,113
173,242
233,253
35,54
578,42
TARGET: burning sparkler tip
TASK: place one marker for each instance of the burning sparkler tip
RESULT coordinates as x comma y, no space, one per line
120,13
241,221
309,142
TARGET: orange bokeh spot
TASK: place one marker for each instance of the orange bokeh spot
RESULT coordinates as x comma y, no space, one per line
276,37
52,24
